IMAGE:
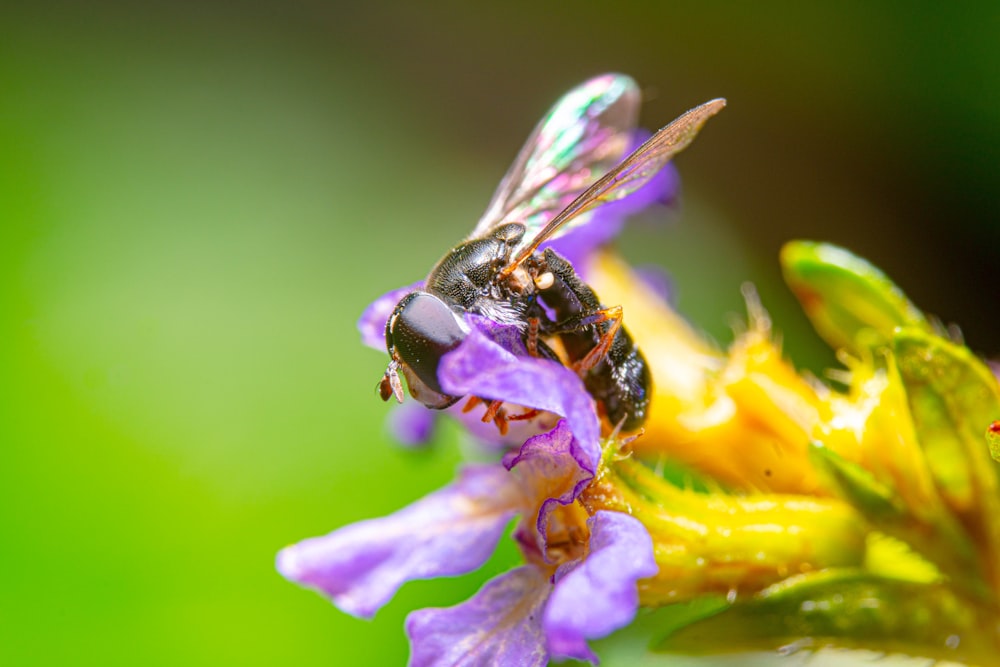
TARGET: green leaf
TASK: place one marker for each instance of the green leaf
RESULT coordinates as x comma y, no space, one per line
852,304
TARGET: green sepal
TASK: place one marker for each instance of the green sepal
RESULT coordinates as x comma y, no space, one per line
672,618
945,545
857,485
845,608
851,304
952,397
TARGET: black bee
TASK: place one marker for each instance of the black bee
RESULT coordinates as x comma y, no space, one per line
500,273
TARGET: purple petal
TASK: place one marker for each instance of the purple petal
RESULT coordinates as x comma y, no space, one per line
371,324
451,531
550,468
411,424
507,336
597,596
481,367
498,626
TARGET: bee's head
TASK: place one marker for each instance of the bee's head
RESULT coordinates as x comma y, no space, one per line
420,331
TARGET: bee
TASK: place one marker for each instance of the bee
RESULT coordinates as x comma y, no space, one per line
501,273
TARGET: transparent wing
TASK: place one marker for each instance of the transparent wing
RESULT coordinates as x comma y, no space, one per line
633,172
583,136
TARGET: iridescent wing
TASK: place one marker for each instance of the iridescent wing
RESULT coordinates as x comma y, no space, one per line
633,172
583,136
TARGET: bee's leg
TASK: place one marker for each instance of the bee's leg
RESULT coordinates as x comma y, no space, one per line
532,336
608,321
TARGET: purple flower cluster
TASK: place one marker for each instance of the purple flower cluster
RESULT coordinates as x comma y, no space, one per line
580,573
529,614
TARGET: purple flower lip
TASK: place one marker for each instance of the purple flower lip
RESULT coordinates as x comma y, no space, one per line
484,367
498,626
553,468
452,531
537,612
523,617
597,595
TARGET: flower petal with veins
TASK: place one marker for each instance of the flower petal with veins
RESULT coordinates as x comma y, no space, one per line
482,367
551,470
452,531
598,595
498,626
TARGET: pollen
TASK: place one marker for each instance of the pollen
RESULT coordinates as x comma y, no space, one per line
545,280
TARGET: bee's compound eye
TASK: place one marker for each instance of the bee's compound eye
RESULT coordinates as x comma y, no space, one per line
422,329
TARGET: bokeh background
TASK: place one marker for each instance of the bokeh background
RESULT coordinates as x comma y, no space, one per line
197,199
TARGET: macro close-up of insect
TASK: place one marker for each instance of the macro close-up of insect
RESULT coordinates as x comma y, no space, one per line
571,163
355,334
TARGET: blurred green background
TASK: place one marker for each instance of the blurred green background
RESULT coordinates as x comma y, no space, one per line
197,199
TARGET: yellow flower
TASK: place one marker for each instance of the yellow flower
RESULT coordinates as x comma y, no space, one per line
884,491
745,418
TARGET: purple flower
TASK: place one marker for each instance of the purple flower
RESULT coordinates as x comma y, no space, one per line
524,616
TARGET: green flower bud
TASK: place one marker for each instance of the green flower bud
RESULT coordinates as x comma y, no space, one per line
852,304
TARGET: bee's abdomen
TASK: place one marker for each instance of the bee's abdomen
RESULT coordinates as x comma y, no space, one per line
621,382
